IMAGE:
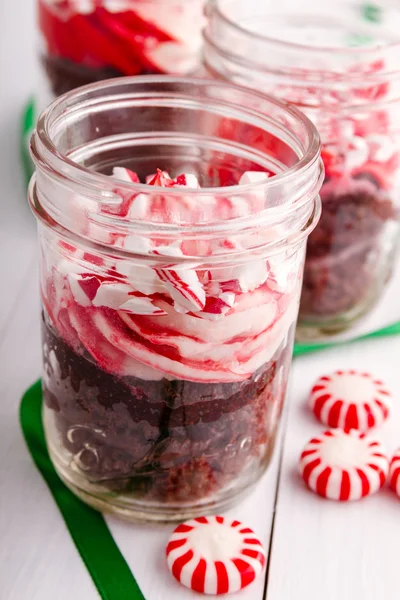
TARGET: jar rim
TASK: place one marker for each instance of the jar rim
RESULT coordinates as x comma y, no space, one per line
41,134
53,163
324,77
340,51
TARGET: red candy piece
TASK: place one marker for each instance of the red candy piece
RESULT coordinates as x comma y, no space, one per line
184,287
394,472
214,555
332,163
342,465
350,400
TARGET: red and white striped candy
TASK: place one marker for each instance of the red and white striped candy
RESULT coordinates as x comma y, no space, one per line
394,472
184,288
350,400
342,465
214,555
125,175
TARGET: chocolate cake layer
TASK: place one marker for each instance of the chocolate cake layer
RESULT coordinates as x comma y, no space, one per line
339,272
173,441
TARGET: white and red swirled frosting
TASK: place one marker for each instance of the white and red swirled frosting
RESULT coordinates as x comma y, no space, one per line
130,36
205,325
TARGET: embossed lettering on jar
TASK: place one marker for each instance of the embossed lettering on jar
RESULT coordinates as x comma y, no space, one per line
172,254
341,67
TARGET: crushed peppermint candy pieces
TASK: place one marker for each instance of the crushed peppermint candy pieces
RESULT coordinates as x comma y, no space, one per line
215,555
394,473
188,293
343,466
350,400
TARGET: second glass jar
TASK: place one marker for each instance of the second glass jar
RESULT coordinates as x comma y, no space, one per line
342,69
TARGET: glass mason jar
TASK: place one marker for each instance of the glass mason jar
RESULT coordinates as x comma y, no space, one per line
340,65
169,312
83,41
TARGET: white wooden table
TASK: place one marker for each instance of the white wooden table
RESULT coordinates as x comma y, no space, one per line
318,550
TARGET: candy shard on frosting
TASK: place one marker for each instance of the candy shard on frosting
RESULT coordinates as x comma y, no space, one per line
78,290
189,180
216,308
125,175
111,294
141,306
184,287
252,275
163,179
253,177
150,178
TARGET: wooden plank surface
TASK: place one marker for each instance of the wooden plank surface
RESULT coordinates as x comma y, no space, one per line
323,550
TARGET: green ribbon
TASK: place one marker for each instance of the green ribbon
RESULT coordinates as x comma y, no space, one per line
385,331
27,127
93,540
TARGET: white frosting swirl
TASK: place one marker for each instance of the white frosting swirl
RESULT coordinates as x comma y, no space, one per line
153,323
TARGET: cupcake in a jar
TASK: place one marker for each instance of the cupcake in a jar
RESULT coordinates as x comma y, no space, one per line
170,287
340,65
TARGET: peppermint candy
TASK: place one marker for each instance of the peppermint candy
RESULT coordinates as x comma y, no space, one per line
215,308
343,466
394,472
214,555
350,400
125,175
252,275
89,291
184,288
253,177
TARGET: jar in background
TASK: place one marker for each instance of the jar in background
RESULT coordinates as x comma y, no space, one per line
169,309
83,41
341,66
